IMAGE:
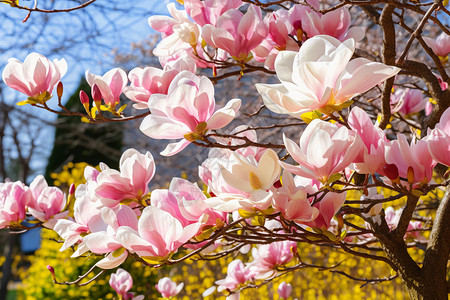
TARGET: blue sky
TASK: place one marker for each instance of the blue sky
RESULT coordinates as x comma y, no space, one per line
64,38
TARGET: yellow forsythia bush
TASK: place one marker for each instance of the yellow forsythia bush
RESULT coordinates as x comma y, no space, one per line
200,275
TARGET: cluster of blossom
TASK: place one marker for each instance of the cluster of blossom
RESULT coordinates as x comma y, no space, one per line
39,201
122,282
116,213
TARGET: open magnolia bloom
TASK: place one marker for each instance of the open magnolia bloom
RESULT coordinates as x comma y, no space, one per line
325,149
36,76
252,180
187,112
321,77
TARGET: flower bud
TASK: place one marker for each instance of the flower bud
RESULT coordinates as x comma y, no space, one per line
84,99
96,95
391,171
410,175
59,89
52,271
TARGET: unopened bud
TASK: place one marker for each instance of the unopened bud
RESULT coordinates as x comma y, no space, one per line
71,196
391,171
59,89
52,271
72,189
410,175
96,95
277,184
84,99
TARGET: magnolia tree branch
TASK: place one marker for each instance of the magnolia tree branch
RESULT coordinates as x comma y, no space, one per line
388,54
87,3
438,250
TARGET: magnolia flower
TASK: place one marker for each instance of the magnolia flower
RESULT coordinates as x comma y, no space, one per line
278,38
35,77
180,37
168,288
237,33
178,32
237,274
266,258
292,200
284,290
407,101
328,207
439,45
47,203
121,282
187,203
335,23
159,235
187,112
207,11
111,85
371,157
325,149
413,161
253,179
321,77
14,197
438,140
86,218
148,81
130,183
105,241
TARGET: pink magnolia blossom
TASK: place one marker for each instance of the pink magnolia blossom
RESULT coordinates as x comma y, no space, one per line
237,33
159,235
253,180
86,219
14,197
407,101
321,77
237,274
207,11
168,288
148,81
47,203
186,202
438,140
325,149
121,282
413,161
210,170
178,32
292,200
186,112
371,158
105,241
35,77
180,37
130,183
439,45
328,206
278,38
111,85
335,23
284,290
267,258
